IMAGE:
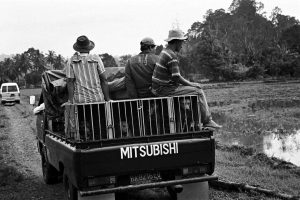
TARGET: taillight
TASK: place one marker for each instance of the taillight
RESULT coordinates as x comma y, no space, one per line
97,181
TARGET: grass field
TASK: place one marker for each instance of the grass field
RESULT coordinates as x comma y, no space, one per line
248,112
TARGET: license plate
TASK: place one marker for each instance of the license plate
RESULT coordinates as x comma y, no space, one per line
145,178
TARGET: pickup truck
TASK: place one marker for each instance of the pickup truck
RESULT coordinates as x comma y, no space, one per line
106,150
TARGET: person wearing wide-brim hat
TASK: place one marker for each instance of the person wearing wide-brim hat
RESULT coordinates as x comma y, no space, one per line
83,73
83,44
86,80
167,80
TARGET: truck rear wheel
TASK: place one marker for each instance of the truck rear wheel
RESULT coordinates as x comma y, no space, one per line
50,174
121,196
194,191
70,191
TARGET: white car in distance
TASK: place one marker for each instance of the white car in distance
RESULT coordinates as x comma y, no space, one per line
10,93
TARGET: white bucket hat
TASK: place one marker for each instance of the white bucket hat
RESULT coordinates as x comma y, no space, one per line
176,34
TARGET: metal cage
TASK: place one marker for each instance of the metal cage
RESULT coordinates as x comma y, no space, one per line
132,118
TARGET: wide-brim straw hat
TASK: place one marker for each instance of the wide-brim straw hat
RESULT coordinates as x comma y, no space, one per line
176,34
83,44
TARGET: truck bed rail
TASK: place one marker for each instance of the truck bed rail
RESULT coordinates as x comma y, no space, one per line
132,118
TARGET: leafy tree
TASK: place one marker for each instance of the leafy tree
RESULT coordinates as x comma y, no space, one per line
2,72
124,59
37,60
59,62
291,38
10,69
25,65
17,62
234,45
33,78
50,59
108,60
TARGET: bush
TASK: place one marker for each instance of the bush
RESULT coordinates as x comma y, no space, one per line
34,78
255,71
233,72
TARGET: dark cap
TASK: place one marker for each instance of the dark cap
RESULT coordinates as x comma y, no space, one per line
147,41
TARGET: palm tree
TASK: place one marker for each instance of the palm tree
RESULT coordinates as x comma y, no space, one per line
59,62
24,65
50,59
17,65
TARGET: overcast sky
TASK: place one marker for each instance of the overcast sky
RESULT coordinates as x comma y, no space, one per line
116,26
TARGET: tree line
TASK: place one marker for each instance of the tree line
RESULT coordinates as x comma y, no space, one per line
242,43
26,68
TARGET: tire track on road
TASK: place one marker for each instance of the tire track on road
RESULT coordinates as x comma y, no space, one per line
23,142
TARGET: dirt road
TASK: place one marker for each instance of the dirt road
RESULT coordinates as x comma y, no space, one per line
20,162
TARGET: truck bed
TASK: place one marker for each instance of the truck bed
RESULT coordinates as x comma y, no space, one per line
159,146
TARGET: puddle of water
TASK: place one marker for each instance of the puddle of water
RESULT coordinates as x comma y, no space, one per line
285,147
282,146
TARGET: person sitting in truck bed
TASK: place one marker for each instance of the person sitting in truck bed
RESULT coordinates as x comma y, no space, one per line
139,69
86,80
138,76
167,81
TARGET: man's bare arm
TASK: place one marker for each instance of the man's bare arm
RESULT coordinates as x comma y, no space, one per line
183,81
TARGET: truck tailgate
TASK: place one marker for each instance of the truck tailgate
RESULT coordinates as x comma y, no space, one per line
146,156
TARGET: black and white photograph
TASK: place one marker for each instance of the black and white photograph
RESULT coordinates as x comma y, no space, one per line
150,100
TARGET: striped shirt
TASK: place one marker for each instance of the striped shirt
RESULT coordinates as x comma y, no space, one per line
85,69
165,69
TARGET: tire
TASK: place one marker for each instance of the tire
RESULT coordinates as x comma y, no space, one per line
50,174
121,196
172,193
70,191
197,191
